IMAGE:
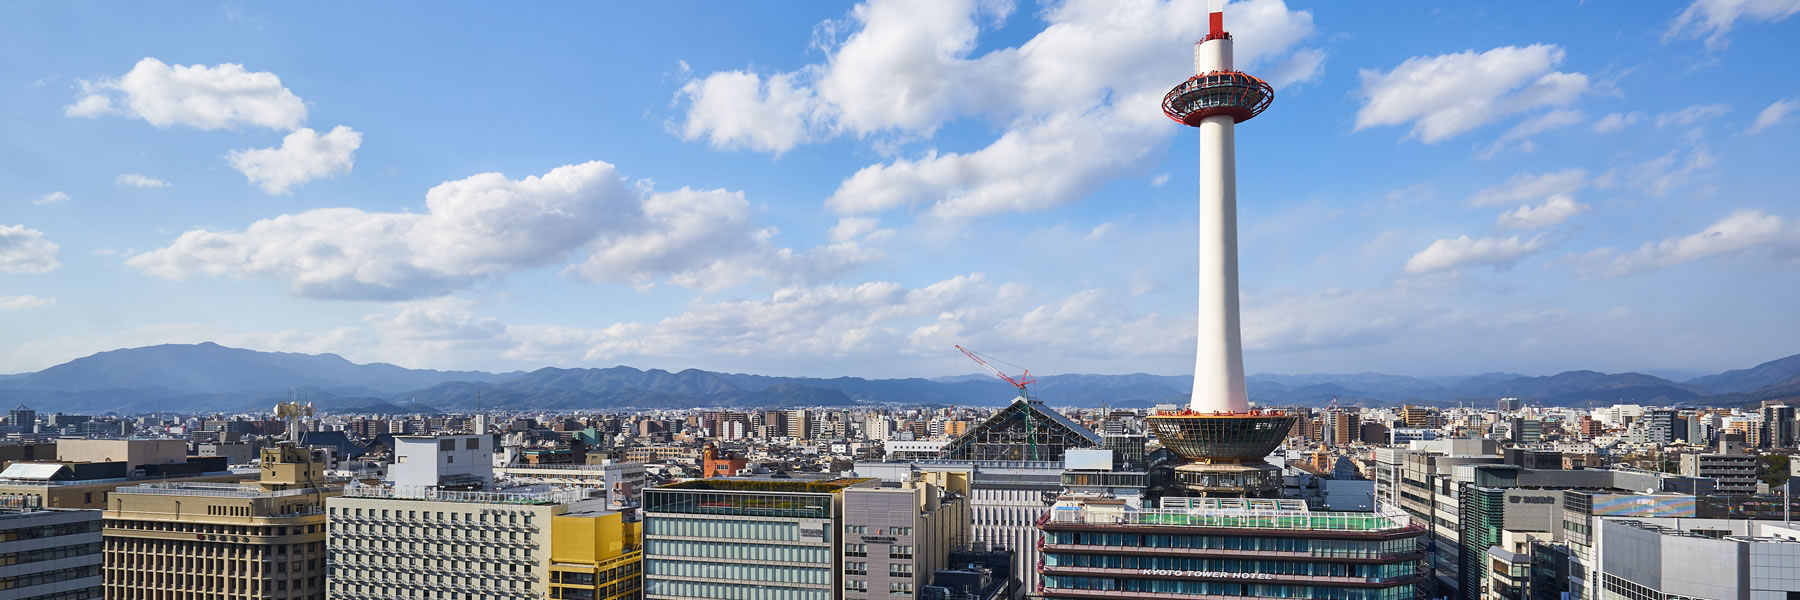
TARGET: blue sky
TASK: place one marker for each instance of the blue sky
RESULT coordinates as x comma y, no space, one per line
851,189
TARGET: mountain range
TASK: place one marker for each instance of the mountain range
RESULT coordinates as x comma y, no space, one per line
207,377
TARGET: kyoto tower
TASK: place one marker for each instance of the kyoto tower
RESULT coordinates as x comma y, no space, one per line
1224,440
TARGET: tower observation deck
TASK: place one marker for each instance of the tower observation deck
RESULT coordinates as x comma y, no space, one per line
1224,440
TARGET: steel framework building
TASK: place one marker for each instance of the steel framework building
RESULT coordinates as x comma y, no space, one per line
1027,430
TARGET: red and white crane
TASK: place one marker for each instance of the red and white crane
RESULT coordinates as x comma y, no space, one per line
1024,374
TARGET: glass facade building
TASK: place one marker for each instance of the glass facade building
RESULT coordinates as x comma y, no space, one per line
744,539
1228,547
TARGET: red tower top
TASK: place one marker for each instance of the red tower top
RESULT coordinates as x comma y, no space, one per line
1216,29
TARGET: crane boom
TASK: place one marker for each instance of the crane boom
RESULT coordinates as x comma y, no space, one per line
1024,376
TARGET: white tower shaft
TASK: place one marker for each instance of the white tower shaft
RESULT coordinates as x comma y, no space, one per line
1219,356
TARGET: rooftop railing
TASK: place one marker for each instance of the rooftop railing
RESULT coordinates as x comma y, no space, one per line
214,490
1389,518
558,496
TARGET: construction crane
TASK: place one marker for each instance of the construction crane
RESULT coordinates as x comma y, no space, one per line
1024,398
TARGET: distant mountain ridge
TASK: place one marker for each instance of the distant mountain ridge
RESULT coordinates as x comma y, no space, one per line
208,377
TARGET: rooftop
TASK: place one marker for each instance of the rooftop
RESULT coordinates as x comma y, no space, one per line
746,484
1227,513
529,495
213,490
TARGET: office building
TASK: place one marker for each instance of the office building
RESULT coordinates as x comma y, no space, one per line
746,539
595,555
1229,547
1697,558
389,542
895,539
442,530
224,541
49,554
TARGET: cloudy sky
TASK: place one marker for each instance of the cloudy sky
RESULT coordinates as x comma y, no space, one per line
814,188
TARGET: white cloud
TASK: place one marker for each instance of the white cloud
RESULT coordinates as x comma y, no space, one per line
850,228
1714,18
1775,114
57,197
1742,230
487,226
1553,211
24,302
91,105
1691,114
303,156
738,109
1099,232
26,251
1070,102
1526,187
1519,136
1446,95
135,180
1454,253
705,239
1617,121
1159,179
1664,173
219,97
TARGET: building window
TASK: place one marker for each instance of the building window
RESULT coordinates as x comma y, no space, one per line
852,567
856,529
900,570
900,531
900,552
474,444
899,589
856,549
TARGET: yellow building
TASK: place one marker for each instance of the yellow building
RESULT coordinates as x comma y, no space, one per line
595,556
178,540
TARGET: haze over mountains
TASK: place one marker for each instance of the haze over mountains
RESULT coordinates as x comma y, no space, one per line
208,377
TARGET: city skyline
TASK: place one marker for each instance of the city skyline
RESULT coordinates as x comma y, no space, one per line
828,190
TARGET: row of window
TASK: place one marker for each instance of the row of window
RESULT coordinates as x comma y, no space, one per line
32,533
739,572
738,551
453,517
729,591
894,551
895,588
1275,567
1213,588
31,556
864,529
1320,548
857,567
31,579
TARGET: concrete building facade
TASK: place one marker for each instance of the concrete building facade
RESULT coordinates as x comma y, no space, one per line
169,541
49,554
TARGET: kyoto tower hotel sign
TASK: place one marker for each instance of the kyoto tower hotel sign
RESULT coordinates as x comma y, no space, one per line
1221,437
